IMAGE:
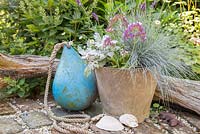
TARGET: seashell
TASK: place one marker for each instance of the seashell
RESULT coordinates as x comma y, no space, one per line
129,120
109,123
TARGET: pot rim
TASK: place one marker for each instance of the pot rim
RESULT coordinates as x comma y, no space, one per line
123,69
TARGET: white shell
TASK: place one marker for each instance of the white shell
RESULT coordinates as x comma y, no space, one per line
129,120
109,123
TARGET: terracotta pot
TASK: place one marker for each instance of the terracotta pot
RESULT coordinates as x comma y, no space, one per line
126,91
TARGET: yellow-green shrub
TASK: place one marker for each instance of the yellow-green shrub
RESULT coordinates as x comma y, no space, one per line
190,22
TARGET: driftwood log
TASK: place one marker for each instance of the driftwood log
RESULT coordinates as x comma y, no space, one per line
23,66
2,83
183,92
26,66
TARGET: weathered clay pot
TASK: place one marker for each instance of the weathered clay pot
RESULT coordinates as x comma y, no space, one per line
124,91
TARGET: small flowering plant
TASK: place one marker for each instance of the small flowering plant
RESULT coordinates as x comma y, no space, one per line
111,49
134,43
101,51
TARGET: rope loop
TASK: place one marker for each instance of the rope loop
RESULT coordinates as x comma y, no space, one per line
65,126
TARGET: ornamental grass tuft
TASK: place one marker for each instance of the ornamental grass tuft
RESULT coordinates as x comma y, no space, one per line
136,41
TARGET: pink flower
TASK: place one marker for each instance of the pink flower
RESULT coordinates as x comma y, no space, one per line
107,41
115,19
134,30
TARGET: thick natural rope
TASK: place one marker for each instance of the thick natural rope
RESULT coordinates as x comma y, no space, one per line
78,118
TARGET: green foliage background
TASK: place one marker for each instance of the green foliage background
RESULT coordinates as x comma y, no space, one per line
34,26
183,18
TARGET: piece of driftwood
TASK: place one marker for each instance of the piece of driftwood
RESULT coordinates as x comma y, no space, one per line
24,66
2,83
183,92
180,91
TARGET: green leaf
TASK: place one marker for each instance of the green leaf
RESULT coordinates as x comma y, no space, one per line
50,3
32,28
21,81
21,93
11,90
69,30
156,105
87,71
52,32
196,68
161,107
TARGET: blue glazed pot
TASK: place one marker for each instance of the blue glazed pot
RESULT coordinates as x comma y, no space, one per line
73,90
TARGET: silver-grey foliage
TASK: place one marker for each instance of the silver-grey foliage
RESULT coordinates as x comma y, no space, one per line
159,53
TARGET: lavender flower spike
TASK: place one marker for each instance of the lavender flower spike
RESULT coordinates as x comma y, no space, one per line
143,6
94,15
153,5
79,2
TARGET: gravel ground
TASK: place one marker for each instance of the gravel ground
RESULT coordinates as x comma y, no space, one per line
30,118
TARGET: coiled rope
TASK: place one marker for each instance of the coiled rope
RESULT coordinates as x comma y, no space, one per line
65,125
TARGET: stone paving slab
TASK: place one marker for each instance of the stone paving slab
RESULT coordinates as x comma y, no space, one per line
147,128
35,119
27,104
9,126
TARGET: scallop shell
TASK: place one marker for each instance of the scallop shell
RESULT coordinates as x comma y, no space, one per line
129,120
109,123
